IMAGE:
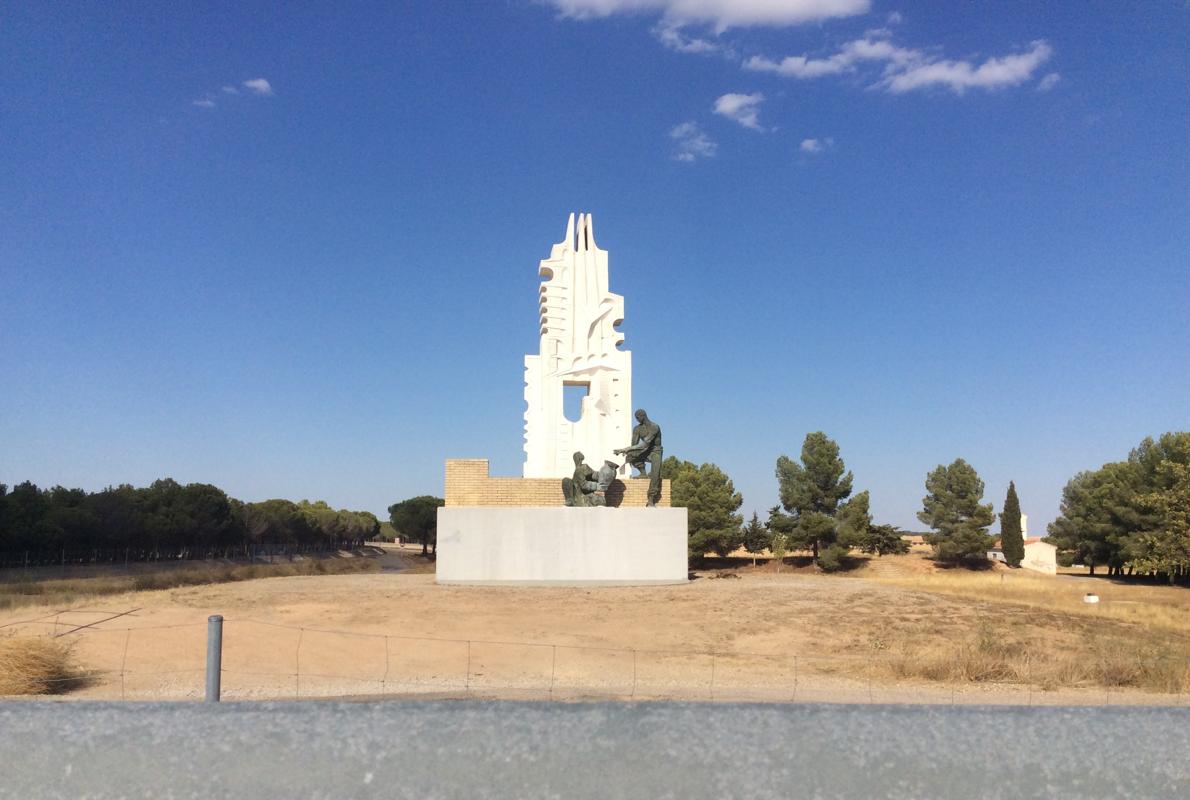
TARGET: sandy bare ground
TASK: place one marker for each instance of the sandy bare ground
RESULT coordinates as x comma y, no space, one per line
764,636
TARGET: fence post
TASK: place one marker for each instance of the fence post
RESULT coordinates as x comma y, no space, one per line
124,664
214,656
871,669
553,668
384,680
633,695
712,677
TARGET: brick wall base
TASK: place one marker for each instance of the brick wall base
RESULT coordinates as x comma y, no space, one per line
468,484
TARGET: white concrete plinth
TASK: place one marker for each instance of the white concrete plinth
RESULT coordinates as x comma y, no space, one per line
575,546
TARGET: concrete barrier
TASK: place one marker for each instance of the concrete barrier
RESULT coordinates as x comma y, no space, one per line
561,546
604,750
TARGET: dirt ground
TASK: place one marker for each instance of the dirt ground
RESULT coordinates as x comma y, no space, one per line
741,634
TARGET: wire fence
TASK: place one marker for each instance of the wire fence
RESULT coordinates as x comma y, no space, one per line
263,660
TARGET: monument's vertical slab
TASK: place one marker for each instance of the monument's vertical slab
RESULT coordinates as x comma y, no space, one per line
579,347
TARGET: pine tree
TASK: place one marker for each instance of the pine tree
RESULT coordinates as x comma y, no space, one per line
812,491
417,518
853,525
1166,549
756,537
710,500
1011,541
883,540
854,521
1114,516
1097,518
952,508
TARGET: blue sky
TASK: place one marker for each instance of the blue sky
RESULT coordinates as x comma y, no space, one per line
293,252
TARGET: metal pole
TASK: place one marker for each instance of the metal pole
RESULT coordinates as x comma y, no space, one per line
214,656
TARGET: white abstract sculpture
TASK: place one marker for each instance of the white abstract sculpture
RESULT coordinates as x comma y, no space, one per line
580,346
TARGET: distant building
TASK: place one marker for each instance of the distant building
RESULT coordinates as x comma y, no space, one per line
1039,556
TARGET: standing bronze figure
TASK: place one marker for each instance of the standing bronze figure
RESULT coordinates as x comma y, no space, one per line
646,449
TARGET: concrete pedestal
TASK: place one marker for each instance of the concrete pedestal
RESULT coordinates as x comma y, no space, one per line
564,546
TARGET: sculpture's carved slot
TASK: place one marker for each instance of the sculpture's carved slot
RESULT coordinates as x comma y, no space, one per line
573,394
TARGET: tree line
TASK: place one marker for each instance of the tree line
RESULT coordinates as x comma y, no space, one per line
1131,515
416,519
819,511
165,517
1134,515
816,512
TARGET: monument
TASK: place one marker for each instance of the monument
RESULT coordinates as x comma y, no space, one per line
580,348
564,521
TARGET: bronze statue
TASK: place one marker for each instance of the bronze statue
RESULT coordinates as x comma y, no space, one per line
588,488
646,449
607,474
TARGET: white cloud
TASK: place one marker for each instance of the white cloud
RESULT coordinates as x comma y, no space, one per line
1048,82
871,48
895,18
743,108
906,69
690,143
258,86
958,76
722,14
816,146
798,66
672,37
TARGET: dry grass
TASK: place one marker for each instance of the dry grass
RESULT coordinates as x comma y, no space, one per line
417,564
67,591
995,655
901,624
31,665
1154,607
1036,630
